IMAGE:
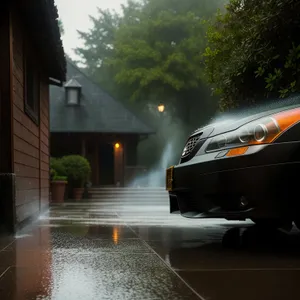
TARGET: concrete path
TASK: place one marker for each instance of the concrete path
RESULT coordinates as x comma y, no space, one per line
131,248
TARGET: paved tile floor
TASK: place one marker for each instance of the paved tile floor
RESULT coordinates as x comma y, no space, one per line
137,251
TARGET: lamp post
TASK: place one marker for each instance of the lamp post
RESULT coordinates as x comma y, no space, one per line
161,108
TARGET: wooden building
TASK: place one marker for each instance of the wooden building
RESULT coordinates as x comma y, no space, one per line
87,121
31,58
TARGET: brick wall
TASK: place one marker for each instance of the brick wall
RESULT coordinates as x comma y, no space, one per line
31,153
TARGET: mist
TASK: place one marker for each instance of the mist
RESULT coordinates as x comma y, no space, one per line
172,136
156,176
243,112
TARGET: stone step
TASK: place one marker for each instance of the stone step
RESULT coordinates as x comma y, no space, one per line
119,194
128,192
128,205
129,195
137,200
136,195
104,204
110,189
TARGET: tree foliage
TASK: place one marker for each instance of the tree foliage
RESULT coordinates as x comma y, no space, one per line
99,40
99,46
253,51
158,55
152,53
61,27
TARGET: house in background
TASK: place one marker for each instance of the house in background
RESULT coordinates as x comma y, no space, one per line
87,121
31,58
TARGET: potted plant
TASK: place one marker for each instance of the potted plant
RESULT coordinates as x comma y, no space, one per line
58,188
58,180
77,169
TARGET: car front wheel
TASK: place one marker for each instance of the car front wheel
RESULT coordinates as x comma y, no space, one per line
297,223
274,223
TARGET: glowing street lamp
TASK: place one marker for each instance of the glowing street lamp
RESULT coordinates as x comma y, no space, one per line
161,108
117,145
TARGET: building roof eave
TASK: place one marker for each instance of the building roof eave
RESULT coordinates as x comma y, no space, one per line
41,18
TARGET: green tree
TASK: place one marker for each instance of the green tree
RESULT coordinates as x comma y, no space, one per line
158,55
61,27
98,41
253,51
99,46
152,53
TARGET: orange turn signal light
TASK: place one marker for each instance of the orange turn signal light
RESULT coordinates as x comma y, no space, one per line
237,151
288,118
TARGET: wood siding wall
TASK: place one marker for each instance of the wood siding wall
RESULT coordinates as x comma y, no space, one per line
6,166
44,145
30,140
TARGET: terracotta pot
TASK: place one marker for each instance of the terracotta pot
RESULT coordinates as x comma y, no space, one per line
77,193
58,191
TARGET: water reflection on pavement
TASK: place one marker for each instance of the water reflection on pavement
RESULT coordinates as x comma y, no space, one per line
134,251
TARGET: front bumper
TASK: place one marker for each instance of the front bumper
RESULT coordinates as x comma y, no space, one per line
260,184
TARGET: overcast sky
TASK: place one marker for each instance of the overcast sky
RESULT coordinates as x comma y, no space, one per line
75,16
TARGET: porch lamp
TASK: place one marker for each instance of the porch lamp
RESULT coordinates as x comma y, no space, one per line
73,92
117,145
161,108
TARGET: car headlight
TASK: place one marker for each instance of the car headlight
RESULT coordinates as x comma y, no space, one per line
261,131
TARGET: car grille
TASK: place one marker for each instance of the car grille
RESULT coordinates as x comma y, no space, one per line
190,145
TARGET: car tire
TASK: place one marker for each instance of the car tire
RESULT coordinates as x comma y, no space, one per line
274,223
297,223
231,238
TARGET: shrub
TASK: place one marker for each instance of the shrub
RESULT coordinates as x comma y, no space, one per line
53,173
56,167
60,178
77,169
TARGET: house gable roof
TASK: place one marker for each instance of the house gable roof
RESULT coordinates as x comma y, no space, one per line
73,83
97,112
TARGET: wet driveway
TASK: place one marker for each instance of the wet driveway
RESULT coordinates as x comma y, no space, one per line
136,250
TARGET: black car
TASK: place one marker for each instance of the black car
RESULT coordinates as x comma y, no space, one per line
248,168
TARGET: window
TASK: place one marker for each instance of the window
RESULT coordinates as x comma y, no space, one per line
73,96
32,91
73,92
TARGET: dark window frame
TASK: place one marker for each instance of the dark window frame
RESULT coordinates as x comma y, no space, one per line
32,109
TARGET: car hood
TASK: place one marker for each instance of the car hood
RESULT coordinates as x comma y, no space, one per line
234,123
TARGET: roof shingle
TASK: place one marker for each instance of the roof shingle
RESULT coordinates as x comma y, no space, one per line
97,112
